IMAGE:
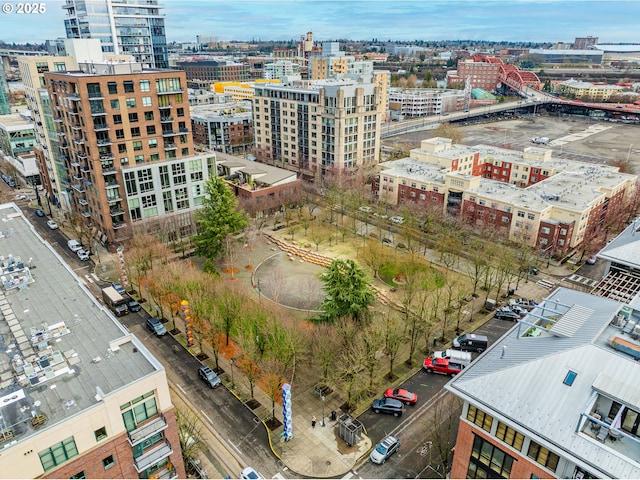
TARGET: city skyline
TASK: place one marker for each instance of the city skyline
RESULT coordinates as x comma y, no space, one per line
243,20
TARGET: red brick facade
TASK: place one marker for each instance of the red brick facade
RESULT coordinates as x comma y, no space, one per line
522,467
91,463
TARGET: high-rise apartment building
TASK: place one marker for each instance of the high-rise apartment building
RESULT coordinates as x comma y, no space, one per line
123,26
5,104
331,62
215,71
323,128
81,397
50,165
126,144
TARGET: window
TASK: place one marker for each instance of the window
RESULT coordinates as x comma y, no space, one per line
153,143
135,131
488,461
117,119
59,66
115,104
108,462
58,453
180,112
148,116
81,474
128,86
151,129
119,134
137,146
122,148
545,230
100,434
480,418
131,103
543,456
146,101
133,117
138,159
571,376
145,86
113,88
509,436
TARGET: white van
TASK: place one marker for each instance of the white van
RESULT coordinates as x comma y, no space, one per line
74,245
455,356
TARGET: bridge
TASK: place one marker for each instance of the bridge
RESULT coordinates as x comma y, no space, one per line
510,75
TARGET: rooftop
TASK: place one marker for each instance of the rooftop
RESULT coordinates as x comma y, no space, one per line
569,331
61,350
247,171
15,121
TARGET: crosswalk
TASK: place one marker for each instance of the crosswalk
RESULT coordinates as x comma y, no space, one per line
590,282
91,278
546,284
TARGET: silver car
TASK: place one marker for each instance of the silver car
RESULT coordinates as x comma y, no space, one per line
384,450
82,254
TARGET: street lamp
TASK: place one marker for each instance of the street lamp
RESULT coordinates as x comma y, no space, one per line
322,397
629,151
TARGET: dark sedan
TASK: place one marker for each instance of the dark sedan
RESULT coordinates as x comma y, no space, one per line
388,405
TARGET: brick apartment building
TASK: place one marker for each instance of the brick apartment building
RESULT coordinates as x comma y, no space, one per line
483,75
553,205
555,397
125,140
215,71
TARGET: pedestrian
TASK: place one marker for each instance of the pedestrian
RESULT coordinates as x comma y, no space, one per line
313,422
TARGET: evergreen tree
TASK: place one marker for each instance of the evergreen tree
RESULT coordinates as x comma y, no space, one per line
348,291
218,218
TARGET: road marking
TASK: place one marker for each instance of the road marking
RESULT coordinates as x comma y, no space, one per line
81,268
206,416
88,278
95,277
236,448
181,389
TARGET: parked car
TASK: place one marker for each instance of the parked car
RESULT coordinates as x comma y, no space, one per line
52,225
397,219
133,305
384,450
208,376
155,326
405,396
507,315
119,288
471,342
365,209
74,245
82,254
250,474
442,366
388,405
39,213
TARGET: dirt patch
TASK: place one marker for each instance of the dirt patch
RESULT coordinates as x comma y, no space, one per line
230,270
202,357
273,424
253,404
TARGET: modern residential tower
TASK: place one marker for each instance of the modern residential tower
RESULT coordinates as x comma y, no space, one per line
123,26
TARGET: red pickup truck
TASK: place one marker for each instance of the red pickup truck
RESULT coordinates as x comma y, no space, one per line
442,366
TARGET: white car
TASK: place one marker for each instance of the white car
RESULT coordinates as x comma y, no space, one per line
365,209
82,254
74,245
52,225
397,220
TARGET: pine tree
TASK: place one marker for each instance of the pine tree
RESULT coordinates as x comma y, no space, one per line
348,291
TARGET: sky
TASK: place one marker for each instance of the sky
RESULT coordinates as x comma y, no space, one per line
613,21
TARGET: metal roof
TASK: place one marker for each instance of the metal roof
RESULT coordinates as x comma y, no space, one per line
521,379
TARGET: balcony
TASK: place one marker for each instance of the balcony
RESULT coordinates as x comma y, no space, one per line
104,141
108,170
63,145
78,140
166,119
57,119
169,133
118,226
165,473
73,111
100,127
154,455
148,429
163,107
85,169
114,213
81,155
106,156
96,95
78,178
170,92
78,187
98,111
86,213
114,198
170,146
76,127
75,163
83,202
184,130
74,97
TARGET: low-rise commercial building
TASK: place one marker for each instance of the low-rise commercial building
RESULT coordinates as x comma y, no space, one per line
224,127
